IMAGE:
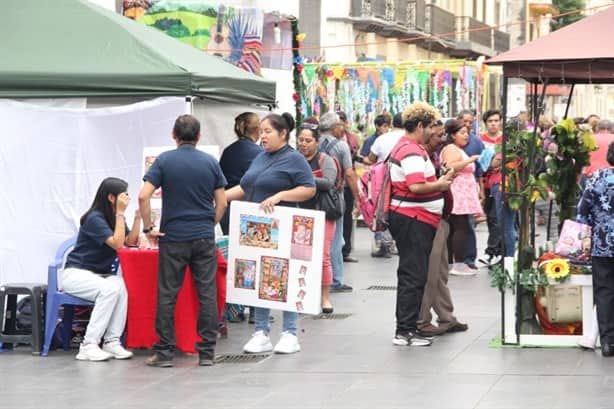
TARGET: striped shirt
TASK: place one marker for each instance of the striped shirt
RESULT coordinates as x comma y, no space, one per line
411,165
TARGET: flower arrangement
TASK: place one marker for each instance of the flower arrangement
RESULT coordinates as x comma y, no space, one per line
566,148
521,185
556,269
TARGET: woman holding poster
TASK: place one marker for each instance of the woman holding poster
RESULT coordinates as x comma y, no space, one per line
325,172
279,175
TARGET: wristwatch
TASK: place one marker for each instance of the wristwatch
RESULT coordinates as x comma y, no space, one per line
147,231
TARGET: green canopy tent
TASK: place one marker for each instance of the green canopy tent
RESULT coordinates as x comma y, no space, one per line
72,48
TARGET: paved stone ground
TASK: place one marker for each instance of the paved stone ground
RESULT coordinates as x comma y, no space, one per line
348,363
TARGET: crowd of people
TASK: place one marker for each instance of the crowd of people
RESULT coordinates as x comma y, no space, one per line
445,178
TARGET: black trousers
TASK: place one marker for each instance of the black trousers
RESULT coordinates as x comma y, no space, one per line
174,257
348,221
471,250
457,240
603,291
493,245
414,241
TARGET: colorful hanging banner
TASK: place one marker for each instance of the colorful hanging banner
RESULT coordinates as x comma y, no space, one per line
366,90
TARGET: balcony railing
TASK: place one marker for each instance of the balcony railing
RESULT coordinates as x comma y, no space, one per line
477,38
415,13
474,31
407,18
439,21
389,17
501,41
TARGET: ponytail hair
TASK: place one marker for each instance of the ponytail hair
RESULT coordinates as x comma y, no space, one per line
281,122
242,125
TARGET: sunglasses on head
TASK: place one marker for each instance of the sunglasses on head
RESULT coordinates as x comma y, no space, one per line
310,126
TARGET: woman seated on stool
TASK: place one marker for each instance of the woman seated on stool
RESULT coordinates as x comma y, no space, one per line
86,275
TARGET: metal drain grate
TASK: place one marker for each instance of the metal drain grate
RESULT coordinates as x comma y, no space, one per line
240,358
382,288
333,316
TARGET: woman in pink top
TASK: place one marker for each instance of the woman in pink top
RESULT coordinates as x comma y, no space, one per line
464,191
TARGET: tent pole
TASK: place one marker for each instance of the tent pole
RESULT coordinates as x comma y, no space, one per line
188,105
503,151
537,112
569,100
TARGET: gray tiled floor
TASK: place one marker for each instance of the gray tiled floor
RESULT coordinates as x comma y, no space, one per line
344,364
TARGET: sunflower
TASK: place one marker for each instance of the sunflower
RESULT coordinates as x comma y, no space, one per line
557,269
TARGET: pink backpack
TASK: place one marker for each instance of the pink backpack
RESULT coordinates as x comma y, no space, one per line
375,190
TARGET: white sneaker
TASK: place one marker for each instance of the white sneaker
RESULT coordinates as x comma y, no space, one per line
288,344
259,343
587,342
92,352
495,260
460,269
116,349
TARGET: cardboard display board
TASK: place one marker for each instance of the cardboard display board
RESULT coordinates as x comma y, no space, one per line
275,260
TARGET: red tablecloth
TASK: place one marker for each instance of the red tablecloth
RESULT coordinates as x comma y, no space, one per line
140,272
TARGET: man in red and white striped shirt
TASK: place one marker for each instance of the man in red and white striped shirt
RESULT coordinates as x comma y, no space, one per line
415,211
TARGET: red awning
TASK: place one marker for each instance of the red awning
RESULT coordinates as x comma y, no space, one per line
581,52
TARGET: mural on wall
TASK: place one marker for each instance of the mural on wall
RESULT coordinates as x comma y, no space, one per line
236,34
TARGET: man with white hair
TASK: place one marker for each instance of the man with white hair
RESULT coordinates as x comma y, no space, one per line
332,130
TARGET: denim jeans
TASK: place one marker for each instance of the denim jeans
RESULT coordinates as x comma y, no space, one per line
262,320
493,245
336,254
506,218
385,238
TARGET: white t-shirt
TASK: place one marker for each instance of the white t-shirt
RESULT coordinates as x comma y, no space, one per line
384,143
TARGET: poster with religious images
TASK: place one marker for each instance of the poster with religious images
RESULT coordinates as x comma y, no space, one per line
275,259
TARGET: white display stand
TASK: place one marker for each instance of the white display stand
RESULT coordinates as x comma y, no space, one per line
511,337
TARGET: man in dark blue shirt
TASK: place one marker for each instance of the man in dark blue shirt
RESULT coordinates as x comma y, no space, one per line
193,201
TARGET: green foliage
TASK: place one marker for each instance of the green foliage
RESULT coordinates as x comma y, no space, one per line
202,32
165,23
565,6
522,187
501,278
211,12
529,279
567,150
178,31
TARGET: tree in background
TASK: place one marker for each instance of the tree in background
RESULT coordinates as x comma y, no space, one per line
565,6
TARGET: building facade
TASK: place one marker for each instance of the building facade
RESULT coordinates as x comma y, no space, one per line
402,30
